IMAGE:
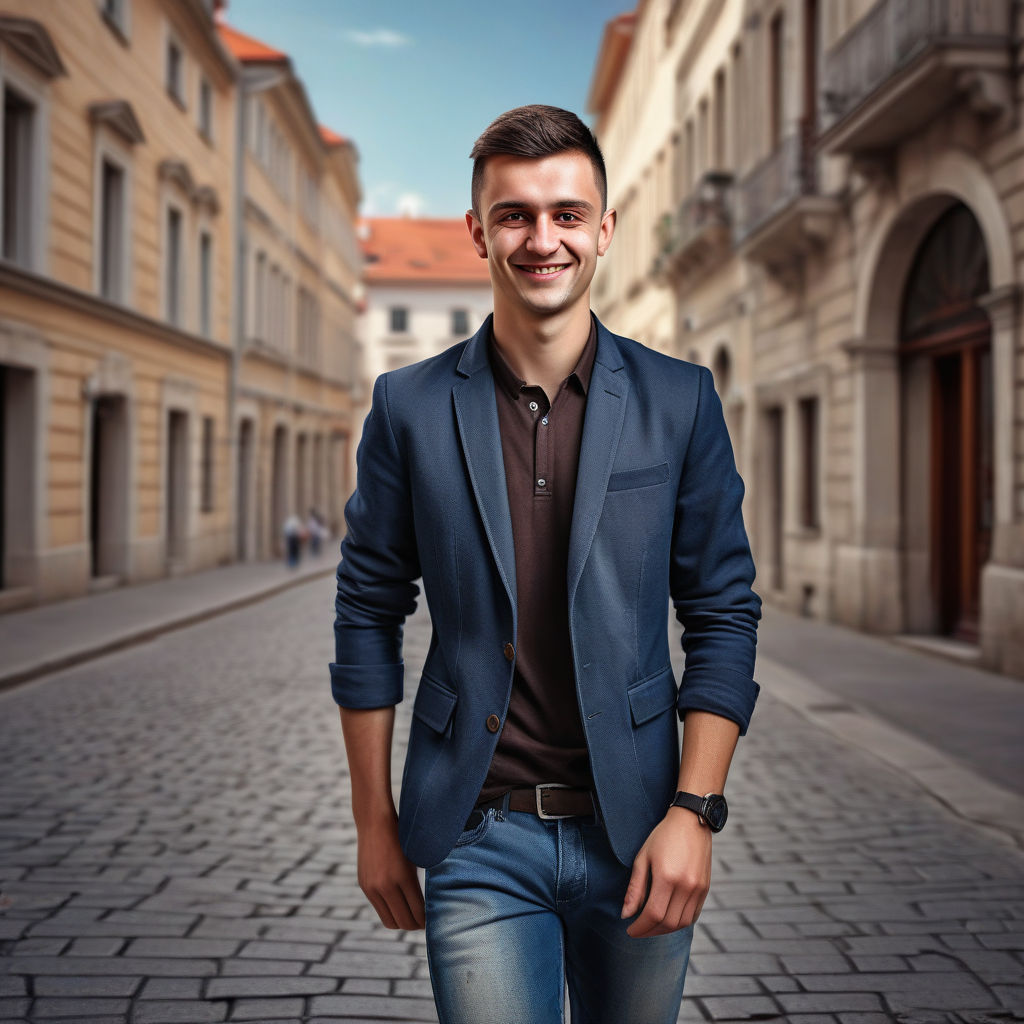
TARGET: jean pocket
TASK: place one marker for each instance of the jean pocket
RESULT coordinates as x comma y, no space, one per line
476,831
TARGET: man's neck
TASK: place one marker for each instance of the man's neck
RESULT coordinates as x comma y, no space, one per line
543,350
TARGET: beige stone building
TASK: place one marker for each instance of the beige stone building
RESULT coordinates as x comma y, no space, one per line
142,394
115,294
299,279
823,200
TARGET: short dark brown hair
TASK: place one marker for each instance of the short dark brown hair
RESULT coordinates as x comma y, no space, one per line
536,131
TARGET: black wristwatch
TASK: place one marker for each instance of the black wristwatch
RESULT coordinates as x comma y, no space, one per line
710,808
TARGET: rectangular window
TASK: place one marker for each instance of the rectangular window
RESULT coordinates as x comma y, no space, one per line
775,84
114,13
19,129
718,142
205,282
208,465
175,72
460,322
259,299
206,109
809,457
173,269
112,232
399,319
689,158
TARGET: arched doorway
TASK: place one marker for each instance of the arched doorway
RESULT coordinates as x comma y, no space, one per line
946,367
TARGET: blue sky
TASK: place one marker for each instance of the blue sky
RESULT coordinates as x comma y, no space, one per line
414,83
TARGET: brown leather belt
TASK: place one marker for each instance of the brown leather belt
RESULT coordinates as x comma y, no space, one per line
549,800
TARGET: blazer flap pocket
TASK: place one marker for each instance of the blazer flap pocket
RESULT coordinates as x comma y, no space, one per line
434,704
652,696
644,477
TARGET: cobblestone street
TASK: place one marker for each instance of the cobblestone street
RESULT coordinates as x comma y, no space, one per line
176,846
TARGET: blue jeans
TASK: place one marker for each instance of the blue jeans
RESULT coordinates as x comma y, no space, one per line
520,906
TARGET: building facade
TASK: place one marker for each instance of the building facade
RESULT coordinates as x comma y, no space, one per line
122,402
824,202
426,289
299,269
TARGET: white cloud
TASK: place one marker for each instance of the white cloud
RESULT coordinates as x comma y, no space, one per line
385,37
410,204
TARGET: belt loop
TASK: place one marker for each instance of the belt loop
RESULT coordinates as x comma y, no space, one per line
502,812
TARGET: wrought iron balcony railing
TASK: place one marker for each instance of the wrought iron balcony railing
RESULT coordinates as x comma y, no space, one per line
700,229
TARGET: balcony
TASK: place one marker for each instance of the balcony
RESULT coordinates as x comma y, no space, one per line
780,215
905,61
699,234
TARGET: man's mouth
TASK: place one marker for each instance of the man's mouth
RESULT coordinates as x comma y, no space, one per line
541,269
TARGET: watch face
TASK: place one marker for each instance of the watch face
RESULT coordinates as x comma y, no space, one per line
715,811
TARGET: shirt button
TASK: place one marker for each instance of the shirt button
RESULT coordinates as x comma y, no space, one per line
493,723
510,652
545,421
534,407
541,482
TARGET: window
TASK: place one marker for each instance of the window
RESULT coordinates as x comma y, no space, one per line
718,142
689,157
205,109
460,322
775,85
175,72
207,467
18,142
115,13
173,267
808,415
112,221
205,282
399,319
259,324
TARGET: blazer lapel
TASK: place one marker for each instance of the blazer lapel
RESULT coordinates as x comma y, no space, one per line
602,425
477,416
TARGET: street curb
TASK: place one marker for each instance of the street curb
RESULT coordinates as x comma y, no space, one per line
960,789
130,638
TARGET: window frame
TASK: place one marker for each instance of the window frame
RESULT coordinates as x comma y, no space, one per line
403,316
179,92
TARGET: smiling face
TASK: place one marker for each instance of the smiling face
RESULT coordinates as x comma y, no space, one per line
541,228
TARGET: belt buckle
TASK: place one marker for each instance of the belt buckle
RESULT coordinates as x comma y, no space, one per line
541,813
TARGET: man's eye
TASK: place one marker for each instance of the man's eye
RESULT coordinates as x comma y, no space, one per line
567,217
514,216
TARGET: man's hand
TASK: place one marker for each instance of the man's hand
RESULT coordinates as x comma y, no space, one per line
676,862
388,877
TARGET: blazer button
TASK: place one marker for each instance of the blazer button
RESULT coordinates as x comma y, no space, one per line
510,653
493,723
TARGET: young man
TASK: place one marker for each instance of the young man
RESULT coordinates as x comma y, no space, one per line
553,485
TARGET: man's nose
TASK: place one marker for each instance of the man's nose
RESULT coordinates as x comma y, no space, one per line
543,238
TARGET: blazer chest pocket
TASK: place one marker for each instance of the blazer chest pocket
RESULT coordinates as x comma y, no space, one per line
434,705
631,479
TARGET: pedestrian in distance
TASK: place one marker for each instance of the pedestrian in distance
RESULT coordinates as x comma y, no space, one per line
553,485
294,533
315,532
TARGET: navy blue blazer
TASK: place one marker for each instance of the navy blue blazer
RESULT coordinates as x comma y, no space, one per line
657,515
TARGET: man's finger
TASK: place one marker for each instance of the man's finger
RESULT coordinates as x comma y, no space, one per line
653,912
637,887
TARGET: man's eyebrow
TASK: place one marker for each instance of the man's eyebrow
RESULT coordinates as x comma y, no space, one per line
561,204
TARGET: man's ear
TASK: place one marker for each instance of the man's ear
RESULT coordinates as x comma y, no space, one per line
476,232
607,229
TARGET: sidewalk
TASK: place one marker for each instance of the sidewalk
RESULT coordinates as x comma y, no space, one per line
36,641
953,728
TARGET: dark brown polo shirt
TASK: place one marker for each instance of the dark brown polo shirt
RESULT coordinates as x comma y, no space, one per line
542,740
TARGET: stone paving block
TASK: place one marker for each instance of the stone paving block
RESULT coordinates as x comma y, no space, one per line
386,1007
829,1002
142,966
45,1009
274,968
172,988
86,986
309,951
736,1008
14,1007
267,1009
374,987
364,965
779,983
797,964
12,986
415,987
720,985
179,1012
182,948
39,947
732,963
232,988
96,947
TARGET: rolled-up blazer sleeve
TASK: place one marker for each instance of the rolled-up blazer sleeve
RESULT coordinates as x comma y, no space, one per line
712,572
379,562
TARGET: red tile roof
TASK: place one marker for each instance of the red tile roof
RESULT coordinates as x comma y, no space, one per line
331,138
246,48
420,250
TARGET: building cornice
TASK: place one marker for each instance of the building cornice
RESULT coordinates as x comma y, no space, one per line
59,294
